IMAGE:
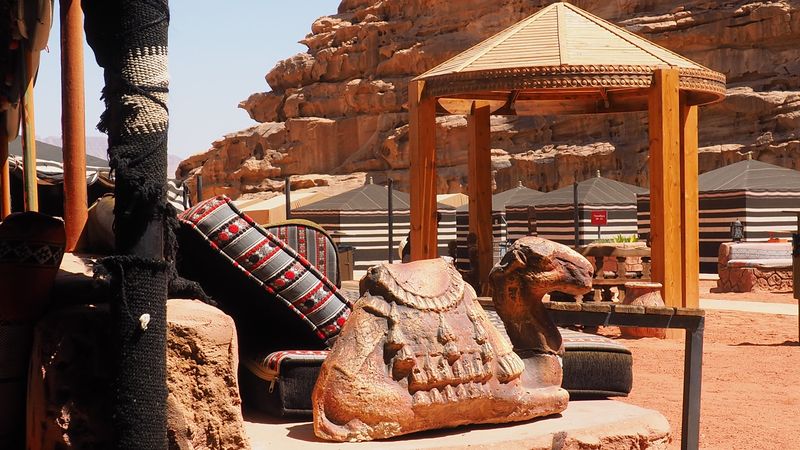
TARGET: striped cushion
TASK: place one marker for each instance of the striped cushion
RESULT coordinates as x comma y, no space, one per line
313,243
287,279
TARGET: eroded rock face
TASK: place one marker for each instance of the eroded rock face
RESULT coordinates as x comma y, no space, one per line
419,353
341,107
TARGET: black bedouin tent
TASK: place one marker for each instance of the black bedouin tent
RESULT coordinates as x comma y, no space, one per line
760,195
500,223
519,212
50,178
554,212
360,218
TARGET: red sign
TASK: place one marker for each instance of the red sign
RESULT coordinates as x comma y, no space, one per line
599,217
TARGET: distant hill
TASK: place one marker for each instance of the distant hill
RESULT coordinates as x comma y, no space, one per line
98,146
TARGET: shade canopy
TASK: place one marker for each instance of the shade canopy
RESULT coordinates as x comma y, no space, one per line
369,197
594,191
750,175
563,60
519,195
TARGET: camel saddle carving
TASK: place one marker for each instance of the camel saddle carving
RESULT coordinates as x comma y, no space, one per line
419,353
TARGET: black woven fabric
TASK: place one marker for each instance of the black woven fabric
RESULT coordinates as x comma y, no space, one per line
139,385
129,39
116,30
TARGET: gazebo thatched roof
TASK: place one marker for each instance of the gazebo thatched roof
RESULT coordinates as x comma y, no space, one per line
563,48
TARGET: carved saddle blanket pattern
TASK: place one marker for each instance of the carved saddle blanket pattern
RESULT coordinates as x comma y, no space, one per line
420,345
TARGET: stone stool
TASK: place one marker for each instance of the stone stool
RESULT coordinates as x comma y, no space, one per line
68,397
647,295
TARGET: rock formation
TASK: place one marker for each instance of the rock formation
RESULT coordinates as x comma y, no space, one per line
341,107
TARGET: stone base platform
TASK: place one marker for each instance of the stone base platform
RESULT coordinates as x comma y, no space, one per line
586,424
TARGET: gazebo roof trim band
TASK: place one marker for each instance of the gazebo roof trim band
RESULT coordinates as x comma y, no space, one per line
702,81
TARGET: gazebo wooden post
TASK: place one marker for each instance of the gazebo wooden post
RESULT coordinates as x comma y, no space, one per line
73,122
690,227
665,185
479,189
422,162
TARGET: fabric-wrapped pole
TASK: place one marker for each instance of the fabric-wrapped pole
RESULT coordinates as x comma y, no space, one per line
129,39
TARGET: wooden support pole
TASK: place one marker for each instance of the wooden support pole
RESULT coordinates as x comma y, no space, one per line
73,121
422,162
665,177
690,228
479,189
5,181
30,185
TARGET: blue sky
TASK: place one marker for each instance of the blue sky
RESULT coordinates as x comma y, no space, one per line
219,55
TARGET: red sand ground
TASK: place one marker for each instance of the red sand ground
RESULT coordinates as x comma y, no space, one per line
751,377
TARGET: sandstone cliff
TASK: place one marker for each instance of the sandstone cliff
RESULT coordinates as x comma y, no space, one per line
340,107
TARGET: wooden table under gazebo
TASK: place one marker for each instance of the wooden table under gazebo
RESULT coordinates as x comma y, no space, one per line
563,60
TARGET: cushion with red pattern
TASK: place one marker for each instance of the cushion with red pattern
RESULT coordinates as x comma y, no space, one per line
272,290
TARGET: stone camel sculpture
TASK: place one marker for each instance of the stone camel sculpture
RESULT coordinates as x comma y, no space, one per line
531,268
419,352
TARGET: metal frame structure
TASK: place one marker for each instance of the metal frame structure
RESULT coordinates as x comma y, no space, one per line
691,320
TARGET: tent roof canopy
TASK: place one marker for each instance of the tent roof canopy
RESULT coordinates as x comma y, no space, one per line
563,60
595,191
750,175
369,197
48,152
519,195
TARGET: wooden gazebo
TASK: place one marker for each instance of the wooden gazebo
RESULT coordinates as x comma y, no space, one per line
563,60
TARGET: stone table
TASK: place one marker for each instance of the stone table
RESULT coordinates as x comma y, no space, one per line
586,424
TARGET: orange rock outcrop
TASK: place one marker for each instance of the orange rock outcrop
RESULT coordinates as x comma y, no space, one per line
341,107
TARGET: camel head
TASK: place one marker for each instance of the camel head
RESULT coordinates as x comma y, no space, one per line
531,268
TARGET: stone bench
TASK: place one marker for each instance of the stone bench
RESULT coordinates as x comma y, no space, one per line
755,267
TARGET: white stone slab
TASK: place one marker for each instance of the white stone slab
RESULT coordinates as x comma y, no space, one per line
585,424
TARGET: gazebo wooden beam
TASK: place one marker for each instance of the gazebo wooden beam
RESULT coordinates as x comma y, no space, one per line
690,227
665,186
479,189
422,162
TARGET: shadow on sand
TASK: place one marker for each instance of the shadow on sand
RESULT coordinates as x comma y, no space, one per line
781,344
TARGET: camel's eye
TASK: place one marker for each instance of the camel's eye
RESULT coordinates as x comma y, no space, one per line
520,257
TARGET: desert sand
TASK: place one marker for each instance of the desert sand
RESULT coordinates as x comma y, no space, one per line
751,376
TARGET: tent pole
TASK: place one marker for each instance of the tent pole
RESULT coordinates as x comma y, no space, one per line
73,121
5,182
575,215
199,188
391,221
29,135
287,192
